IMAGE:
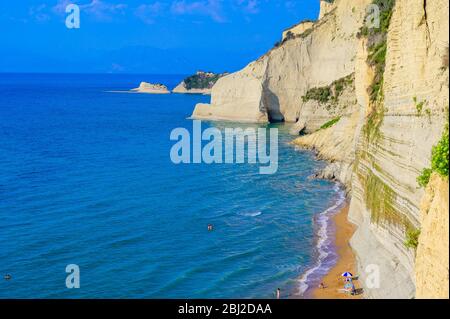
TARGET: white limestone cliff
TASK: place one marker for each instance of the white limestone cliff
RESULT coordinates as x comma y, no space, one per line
377,149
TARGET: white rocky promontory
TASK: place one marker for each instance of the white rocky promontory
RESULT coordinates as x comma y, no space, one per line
150,88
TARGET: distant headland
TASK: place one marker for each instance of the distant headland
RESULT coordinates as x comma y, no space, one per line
199,83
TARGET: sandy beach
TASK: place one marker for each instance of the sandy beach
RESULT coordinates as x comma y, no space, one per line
333,280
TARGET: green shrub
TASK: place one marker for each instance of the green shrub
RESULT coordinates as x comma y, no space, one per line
377,42
412,238
320,94
439,160
377,50
424,178
419,105
330,123
290,35
202,80
439,155
331,93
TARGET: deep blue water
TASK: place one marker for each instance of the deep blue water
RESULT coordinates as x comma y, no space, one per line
86,178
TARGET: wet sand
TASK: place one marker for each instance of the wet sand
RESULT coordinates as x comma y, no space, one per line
333,280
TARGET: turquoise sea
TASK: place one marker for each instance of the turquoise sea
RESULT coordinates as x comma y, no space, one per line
86,179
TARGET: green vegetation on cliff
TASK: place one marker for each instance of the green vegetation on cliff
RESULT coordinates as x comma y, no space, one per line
379,198
439,157
412,238
373,124
439,160
202,80
424,178
377,50
330,93
320,94
330,123
377,45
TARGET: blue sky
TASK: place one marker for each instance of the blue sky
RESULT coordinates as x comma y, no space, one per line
143,36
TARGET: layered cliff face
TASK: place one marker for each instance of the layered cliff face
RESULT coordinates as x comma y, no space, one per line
377,130
395,141
432,261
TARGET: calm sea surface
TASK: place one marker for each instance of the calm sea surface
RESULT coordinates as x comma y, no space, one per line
86,179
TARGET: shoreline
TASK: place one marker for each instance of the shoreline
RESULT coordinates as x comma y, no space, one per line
326,255
346,261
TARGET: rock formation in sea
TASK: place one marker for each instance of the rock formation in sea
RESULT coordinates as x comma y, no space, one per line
150,88
199,83
373,101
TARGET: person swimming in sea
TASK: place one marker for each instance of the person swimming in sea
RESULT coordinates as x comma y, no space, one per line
278,293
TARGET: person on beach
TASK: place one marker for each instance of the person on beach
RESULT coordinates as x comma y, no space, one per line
278,293
322,286
353,289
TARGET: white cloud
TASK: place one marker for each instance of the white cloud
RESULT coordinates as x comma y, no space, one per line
211,8
249,6
148,12
100,10
60,7
103,10
39,13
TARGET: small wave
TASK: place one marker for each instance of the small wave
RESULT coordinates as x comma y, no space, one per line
250,214
322,246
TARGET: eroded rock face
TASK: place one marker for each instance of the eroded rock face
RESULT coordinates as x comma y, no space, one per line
432,259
